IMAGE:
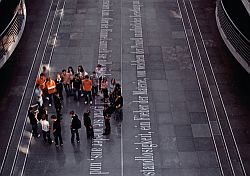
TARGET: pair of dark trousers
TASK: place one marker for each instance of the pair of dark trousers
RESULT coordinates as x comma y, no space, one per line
67,89
107,126
119,114
57,135
34,130
105,93
60,93
100,82
94,90
50,98
58,113
46,134
73,133
88,96
89,132
77,93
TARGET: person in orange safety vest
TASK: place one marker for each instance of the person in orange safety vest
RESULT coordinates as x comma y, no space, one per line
41,81
51,89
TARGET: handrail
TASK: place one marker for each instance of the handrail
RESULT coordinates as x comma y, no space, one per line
238,40
9,36
233,23
11,20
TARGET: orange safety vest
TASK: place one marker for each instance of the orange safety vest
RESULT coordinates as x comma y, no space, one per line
41,82
51,86
87,84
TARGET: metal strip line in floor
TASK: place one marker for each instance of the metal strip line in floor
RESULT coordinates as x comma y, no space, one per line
25,89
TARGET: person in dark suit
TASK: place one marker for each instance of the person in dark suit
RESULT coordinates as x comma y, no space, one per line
88,125
58,105
107,111
74,127
118,104
33,121
59,85
57,130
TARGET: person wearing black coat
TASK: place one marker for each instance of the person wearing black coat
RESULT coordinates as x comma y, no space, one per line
74,127
58,105
59,85
107,111
88,125
77,83
118,104
57,130
33,121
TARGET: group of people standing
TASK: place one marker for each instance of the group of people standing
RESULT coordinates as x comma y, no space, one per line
77,84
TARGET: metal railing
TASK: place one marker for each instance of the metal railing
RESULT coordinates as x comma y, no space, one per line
8,36
240,42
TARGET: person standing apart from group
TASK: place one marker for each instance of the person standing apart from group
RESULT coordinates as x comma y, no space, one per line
74,127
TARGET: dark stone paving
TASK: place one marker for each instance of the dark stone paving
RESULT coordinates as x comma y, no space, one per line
174,124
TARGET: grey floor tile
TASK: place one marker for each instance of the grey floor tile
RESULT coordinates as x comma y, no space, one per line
181,118
183,130
171,171
170,160
198,117
185,144
189,160
159,85
200,130
203,143
168,143
207,159
167,130
165,117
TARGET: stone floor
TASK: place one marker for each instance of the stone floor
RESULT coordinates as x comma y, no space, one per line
143,45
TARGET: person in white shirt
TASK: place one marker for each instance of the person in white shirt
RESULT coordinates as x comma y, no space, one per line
99,73
46,129
38,95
